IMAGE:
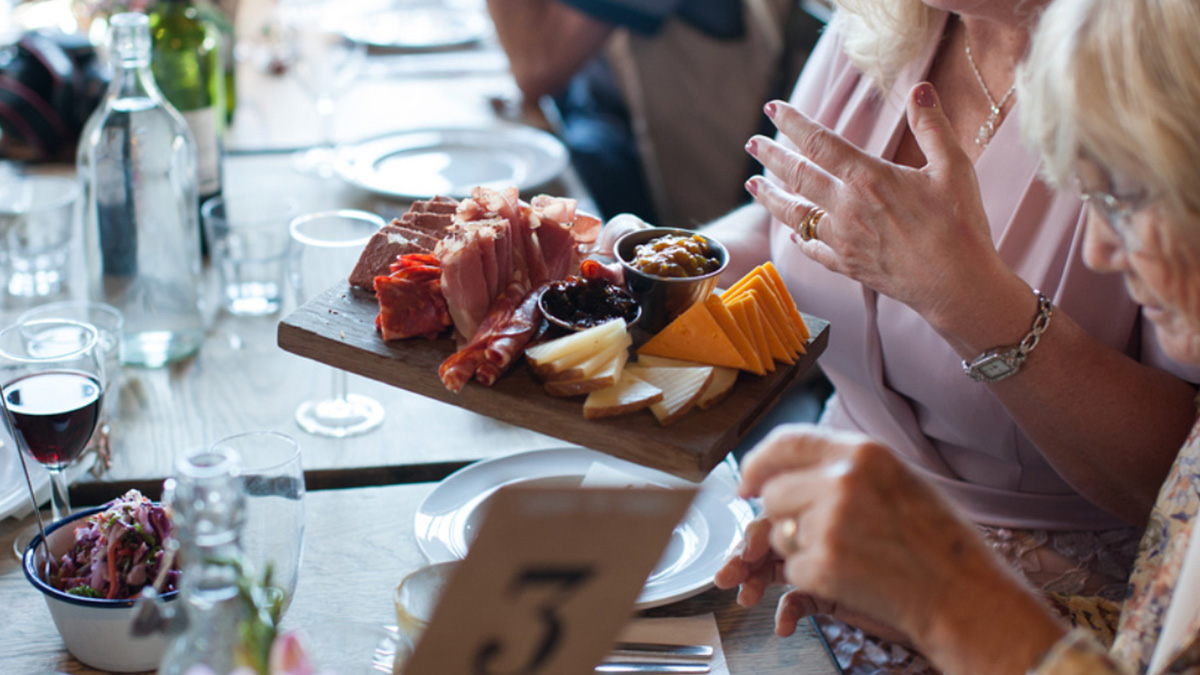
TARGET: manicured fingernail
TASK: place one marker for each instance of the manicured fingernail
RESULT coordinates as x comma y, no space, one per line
770,109
752,146
752,187
926,97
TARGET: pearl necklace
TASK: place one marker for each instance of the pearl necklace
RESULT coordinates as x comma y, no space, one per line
988,129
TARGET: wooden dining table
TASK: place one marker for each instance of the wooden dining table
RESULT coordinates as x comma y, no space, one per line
363,490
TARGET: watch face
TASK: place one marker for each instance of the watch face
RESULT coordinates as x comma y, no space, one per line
995,367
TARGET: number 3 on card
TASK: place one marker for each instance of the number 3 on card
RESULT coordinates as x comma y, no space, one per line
549,581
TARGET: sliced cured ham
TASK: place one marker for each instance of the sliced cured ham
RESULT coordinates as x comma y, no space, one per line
411,303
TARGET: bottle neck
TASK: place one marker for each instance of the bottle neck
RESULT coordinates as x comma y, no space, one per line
132,78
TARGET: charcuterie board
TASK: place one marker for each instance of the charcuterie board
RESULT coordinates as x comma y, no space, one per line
338,328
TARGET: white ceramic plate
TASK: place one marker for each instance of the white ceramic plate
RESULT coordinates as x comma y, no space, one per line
421,27
422,163
448,518
14,495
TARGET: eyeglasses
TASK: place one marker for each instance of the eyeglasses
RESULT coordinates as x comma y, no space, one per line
1117,211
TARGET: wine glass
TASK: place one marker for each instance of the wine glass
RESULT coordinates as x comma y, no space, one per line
326,247
326,63
52,383
273,535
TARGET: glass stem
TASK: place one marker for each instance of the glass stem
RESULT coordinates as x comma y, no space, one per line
60,497
341,388
325,113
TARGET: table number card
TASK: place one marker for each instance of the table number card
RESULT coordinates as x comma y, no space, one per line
549,581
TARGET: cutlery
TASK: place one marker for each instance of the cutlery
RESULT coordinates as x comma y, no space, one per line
657,650
652,667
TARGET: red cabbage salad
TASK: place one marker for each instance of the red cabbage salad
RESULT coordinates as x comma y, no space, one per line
117,551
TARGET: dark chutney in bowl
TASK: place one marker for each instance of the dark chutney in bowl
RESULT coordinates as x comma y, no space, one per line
578,304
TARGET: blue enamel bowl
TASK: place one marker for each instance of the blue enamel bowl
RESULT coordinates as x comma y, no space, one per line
96,631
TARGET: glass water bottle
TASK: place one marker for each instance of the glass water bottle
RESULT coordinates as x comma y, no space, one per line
208,505
137,166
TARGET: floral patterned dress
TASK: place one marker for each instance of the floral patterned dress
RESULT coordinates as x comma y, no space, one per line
1160,566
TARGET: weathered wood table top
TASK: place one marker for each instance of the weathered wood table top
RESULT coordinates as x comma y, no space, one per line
359,544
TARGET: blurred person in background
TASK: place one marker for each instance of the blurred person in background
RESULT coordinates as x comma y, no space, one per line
1110,90
656,98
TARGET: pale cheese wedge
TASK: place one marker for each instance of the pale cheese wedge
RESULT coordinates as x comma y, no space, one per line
681,389
718,387
606,376
571,350
551,371
629,394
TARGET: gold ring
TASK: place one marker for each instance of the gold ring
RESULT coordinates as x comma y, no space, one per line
807,229
790,529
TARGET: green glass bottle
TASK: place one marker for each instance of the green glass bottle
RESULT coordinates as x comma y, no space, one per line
189,68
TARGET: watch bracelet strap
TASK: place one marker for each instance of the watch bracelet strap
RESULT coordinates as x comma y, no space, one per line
1019,352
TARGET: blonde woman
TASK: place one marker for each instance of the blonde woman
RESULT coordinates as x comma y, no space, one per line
932,255
1110,91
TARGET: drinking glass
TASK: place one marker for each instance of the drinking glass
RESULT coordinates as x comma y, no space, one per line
37,221
326,63
273,535
109,324
326,247
52,375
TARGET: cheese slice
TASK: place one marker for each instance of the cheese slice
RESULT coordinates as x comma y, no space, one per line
729,325
770,302
753,320
606,376
547,372
775,344
629,394
681,388
734,290
739,313
789,303
718,387
695,336
573,349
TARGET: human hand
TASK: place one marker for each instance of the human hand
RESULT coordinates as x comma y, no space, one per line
863,537
754,567
916,235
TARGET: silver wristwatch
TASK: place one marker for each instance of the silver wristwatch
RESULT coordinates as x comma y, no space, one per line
1004,362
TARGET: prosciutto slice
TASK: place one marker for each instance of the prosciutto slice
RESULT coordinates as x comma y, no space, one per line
501,337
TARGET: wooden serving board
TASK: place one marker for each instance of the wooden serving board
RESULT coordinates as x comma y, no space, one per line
338,329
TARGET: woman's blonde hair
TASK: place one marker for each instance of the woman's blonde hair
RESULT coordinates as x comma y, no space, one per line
881,37
1118,81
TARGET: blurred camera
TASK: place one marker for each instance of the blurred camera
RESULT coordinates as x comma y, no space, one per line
49,84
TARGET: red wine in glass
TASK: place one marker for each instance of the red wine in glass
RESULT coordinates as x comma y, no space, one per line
55,412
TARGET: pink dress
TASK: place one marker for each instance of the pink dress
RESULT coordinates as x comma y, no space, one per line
896,379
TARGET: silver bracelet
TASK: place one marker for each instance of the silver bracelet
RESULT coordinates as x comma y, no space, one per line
1004,362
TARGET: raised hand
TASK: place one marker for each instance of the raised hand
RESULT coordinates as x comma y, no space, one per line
914,234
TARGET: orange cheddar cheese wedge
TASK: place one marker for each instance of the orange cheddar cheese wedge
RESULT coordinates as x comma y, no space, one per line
741,317
695,336
751,317
789,303
780,349
770,302
730,326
